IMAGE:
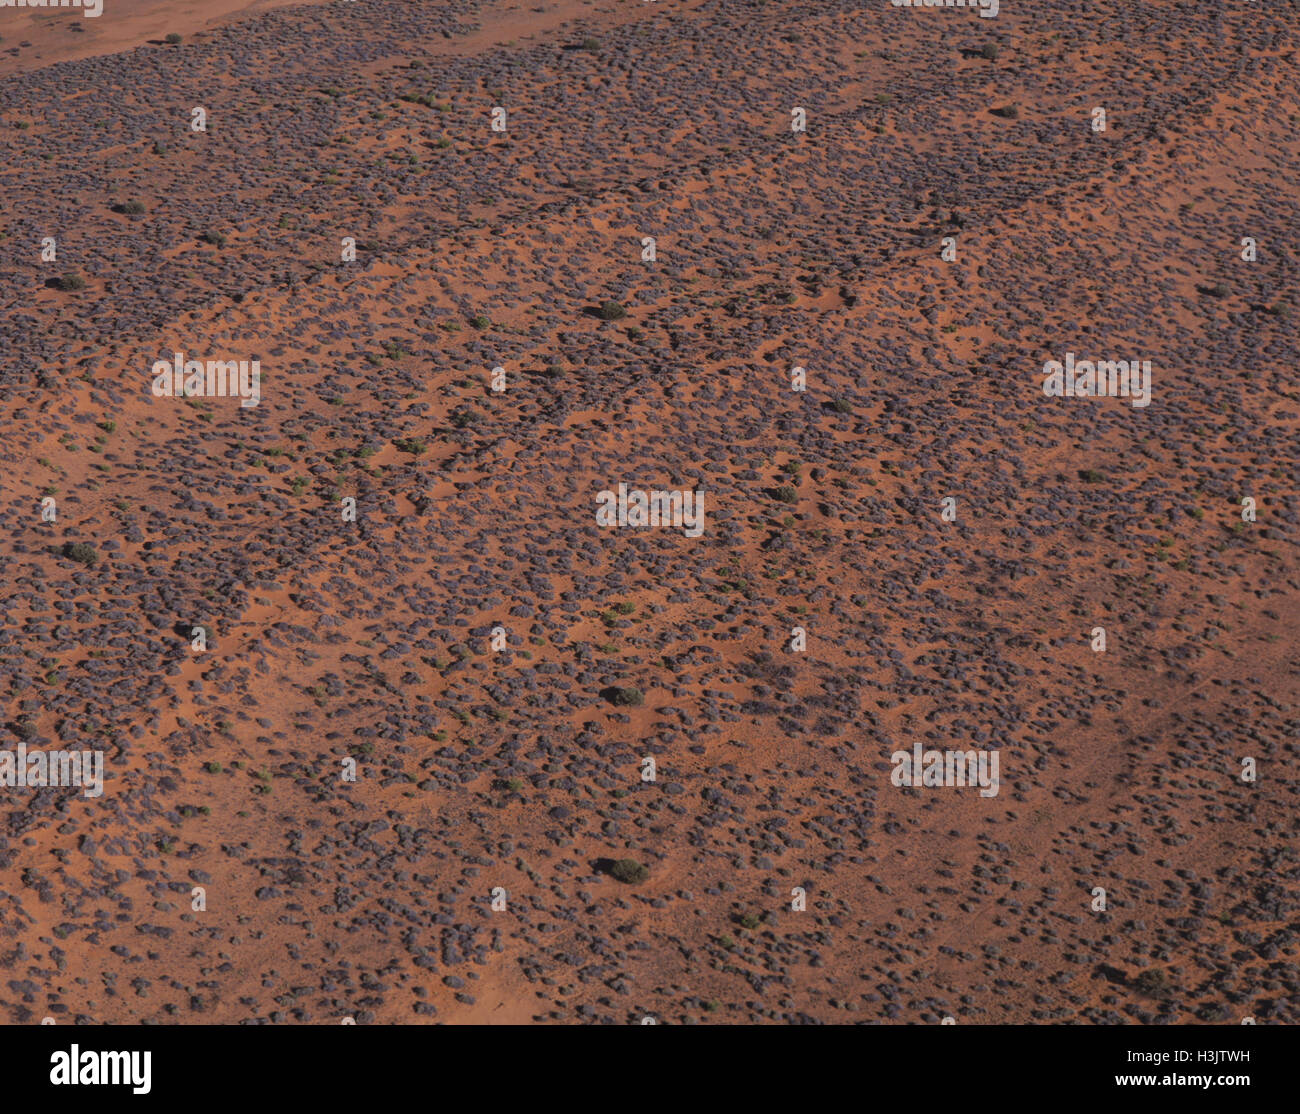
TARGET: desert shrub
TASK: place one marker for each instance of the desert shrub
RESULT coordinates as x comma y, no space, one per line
628,697
464,416
629,870
1152,983
72,282
611,311
82,552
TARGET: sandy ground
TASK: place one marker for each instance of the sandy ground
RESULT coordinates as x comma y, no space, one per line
372,640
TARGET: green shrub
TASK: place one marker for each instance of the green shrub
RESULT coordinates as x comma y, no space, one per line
1152,983
464,416
611,311
82,552
629,870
